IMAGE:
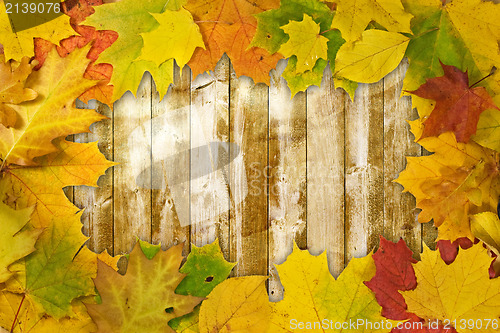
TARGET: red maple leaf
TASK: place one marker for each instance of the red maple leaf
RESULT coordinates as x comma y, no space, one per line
394,273
458,105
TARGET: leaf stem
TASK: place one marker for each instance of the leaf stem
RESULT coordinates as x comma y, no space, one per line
324,32
424,33
484,78
17,314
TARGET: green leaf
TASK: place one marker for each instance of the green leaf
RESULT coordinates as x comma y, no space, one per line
301,81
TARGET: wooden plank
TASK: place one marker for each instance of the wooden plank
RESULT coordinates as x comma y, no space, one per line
287,175
325,172
400,218
248,218
364,179
429,231
132,149
210,157
170,144
97,202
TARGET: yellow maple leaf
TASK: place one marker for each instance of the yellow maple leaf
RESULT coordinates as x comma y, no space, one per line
52,114
457,180
72,165
12,79
486,227
315,301
353,17
19,44
176,38
305,42
236,305
371,58
461,291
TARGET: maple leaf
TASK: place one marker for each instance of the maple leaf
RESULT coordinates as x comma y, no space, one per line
229,27
72,165
19,44
305,42
205,268
52,114
371,58
238,304
488,126
457,180
138,300
462,290
312,294
458,106
124,52
353,18
59,271
177,37
16,239
461,33
486,227
393,262
12,77
449,249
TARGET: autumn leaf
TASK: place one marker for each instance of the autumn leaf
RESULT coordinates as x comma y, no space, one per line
461,33
229,27
59,271
12,77
394,273
488,130
16,239
462,290
143,299
301,81
458,105
19,44
72,164
124,52
352,18
177,37
371,58
305,42
486,227
449,250
236,305
312,294
205,268
52,114
457,180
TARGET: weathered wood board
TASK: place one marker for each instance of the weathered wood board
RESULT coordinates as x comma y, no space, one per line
220,157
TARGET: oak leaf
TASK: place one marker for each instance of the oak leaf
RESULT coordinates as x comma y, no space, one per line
372,57
13,77
72,165
19,44
353,18
457,180
312,294
52,114
462,290
16,239
238,304
143,299
458,105
305,42
229,27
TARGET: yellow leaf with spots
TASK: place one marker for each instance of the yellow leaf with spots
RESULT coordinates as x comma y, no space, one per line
370,59
353,17
460,291
19,44
305,42
236,305
313,297
176,38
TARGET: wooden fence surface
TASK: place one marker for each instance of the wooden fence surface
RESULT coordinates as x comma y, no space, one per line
221,157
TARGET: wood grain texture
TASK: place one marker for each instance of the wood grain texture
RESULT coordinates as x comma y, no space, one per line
364,165
170,143
287,174
325,172
248,176
132,149
400,217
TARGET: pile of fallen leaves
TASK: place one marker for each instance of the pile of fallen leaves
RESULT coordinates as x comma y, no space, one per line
51,282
